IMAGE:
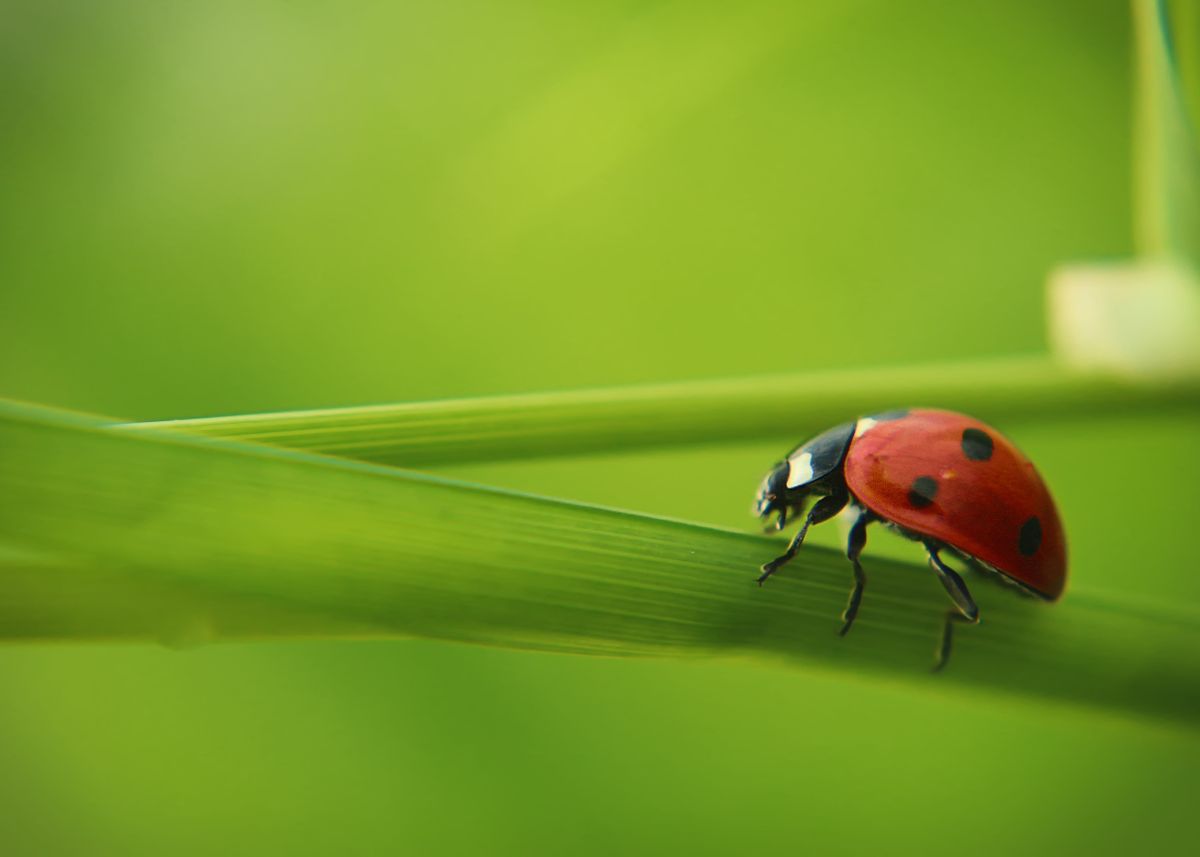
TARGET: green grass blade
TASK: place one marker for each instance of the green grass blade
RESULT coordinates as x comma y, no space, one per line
169,536
782,407
1167,167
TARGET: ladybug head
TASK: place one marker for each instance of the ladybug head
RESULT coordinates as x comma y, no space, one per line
812,468
773,494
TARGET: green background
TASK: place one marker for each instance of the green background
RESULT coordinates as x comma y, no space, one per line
227,207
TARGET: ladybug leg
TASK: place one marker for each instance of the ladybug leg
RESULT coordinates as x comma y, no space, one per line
956,588
822,510
854,547
943,651
780,522
965,610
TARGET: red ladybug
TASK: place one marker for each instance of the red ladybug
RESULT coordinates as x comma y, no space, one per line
940,478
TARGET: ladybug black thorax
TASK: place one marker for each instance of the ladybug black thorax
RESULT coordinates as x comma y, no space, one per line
816,466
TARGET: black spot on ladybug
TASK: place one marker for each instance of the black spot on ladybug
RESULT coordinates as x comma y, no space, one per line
1031,536
888,416
977,445
922,492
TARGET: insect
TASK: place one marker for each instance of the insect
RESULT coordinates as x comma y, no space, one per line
940,478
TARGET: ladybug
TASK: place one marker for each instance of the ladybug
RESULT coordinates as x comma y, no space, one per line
943,479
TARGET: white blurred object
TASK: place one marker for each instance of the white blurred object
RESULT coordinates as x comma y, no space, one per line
1131,318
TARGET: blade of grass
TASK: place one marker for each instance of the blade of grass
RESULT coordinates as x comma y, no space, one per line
782,407
1167,164
164,535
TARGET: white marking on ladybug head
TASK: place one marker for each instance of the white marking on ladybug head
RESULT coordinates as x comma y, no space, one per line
800,470
864,425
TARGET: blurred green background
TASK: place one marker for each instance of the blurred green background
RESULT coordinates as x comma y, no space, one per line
245,206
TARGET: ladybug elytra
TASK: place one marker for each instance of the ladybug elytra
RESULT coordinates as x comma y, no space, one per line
940,478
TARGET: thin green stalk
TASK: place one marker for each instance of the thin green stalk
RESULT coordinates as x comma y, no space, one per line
1167,150
781,408
153,534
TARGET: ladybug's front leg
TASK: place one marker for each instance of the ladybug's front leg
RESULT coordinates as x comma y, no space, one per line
822,510
966,612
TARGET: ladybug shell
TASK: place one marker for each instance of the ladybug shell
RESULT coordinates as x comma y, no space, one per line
951,478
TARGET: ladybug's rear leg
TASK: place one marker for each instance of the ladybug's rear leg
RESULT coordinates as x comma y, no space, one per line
943,651
854,548
967,612
822,510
